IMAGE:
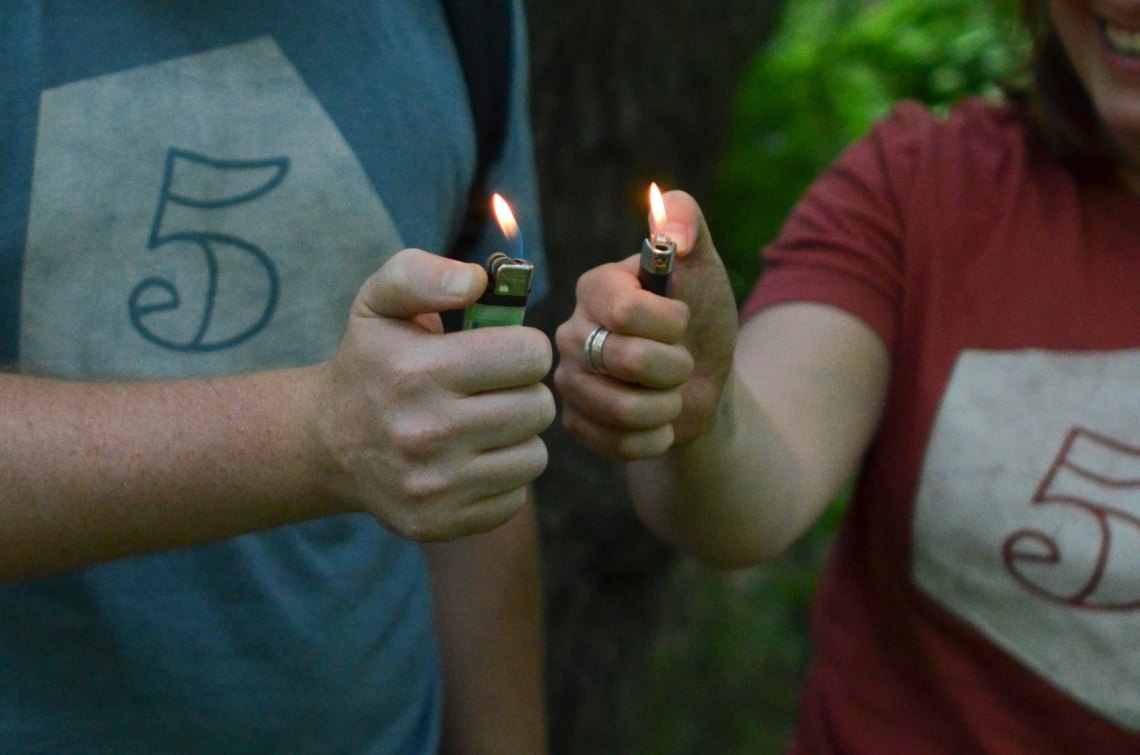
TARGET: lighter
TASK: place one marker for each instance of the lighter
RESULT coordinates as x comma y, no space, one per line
504,300
508,279
657,251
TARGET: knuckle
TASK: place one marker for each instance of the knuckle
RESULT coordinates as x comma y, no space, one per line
494,513
570,421
639,357
674,405
702,404
547,408
412,524
586,281
645,445
409,441
408,376
512,504
399,268
678,325
688,363
422,487
537,458
561,380
424,530
623,311
562,338
418,439
402,524
576,427
392,276
626,411
627,448
536,353
436,530
546,354
586,434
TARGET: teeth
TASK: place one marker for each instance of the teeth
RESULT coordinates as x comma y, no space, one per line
1122,40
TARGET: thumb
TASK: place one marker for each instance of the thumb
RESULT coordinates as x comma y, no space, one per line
414,282
685,225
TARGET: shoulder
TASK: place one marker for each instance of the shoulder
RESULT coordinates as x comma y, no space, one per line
977,141
974,120
918,166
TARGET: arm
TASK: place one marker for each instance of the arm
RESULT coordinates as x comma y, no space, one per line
435,435
796,415
488,602
96,471
736,445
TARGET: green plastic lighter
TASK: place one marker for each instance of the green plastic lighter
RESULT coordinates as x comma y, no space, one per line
504,300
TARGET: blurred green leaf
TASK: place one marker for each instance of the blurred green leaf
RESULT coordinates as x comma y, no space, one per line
831,69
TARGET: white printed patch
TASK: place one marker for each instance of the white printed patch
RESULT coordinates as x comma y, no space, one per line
197,216
1027,520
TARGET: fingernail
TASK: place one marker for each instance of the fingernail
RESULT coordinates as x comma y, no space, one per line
679,233
457,280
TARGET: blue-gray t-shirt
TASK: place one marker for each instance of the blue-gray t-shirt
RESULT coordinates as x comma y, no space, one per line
199,188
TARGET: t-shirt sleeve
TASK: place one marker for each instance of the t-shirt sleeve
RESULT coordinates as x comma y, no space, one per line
842,242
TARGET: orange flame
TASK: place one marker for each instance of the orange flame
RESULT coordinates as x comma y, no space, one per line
505,217
657,205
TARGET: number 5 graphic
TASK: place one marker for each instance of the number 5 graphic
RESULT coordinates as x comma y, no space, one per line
1096,479
158,295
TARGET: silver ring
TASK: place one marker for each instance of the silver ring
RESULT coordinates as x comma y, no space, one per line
592,350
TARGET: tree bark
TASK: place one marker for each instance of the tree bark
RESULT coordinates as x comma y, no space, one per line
623,93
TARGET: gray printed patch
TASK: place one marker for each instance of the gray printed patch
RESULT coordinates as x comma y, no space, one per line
198,216
1027,520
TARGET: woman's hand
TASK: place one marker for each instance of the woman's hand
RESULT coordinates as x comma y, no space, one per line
664,361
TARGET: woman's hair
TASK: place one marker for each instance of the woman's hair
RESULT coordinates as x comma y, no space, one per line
1061,114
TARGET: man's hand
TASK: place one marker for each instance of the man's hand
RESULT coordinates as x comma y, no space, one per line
666,360
434,434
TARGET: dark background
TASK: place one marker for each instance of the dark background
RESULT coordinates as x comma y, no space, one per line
623,93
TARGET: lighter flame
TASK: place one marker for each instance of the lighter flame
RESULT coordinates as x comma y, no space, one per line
505,217
657,205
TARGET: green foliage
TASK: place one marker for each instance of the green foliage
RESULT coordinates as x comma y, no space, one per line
725,674
727,668
831,69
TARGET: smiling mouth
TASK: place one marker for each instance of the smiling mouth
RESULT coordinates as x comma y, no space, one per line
1119,40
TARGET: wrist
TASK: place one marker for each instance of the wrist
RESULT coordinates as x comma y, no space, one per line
705,410
310,418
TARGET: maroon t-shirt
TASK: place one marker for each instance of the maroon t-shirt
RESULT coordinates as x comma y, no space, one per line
983,592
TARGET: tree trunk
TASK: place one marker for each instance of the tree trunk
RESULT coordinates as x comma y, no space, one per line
623,93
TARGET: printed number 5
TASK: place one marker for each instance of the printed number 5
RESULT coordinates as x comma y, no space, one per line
241,182
1097,480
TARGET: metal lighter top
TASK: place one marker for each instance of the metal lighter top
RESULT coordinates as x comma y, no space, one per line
504,300
508,281
657,251
657,255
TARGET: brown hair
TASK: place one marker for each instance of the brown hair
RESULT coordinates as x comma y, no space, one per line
1061,114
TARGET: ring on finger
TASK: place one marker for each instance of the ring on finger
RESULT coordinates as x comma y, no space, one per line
592,350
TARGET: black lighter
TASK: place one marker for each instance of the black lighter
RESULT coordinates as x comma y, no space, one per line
657,251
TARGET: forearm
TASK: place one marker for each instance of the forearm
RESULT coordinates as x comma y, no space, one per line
732,497
488,602
797,414
94,471
434,435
